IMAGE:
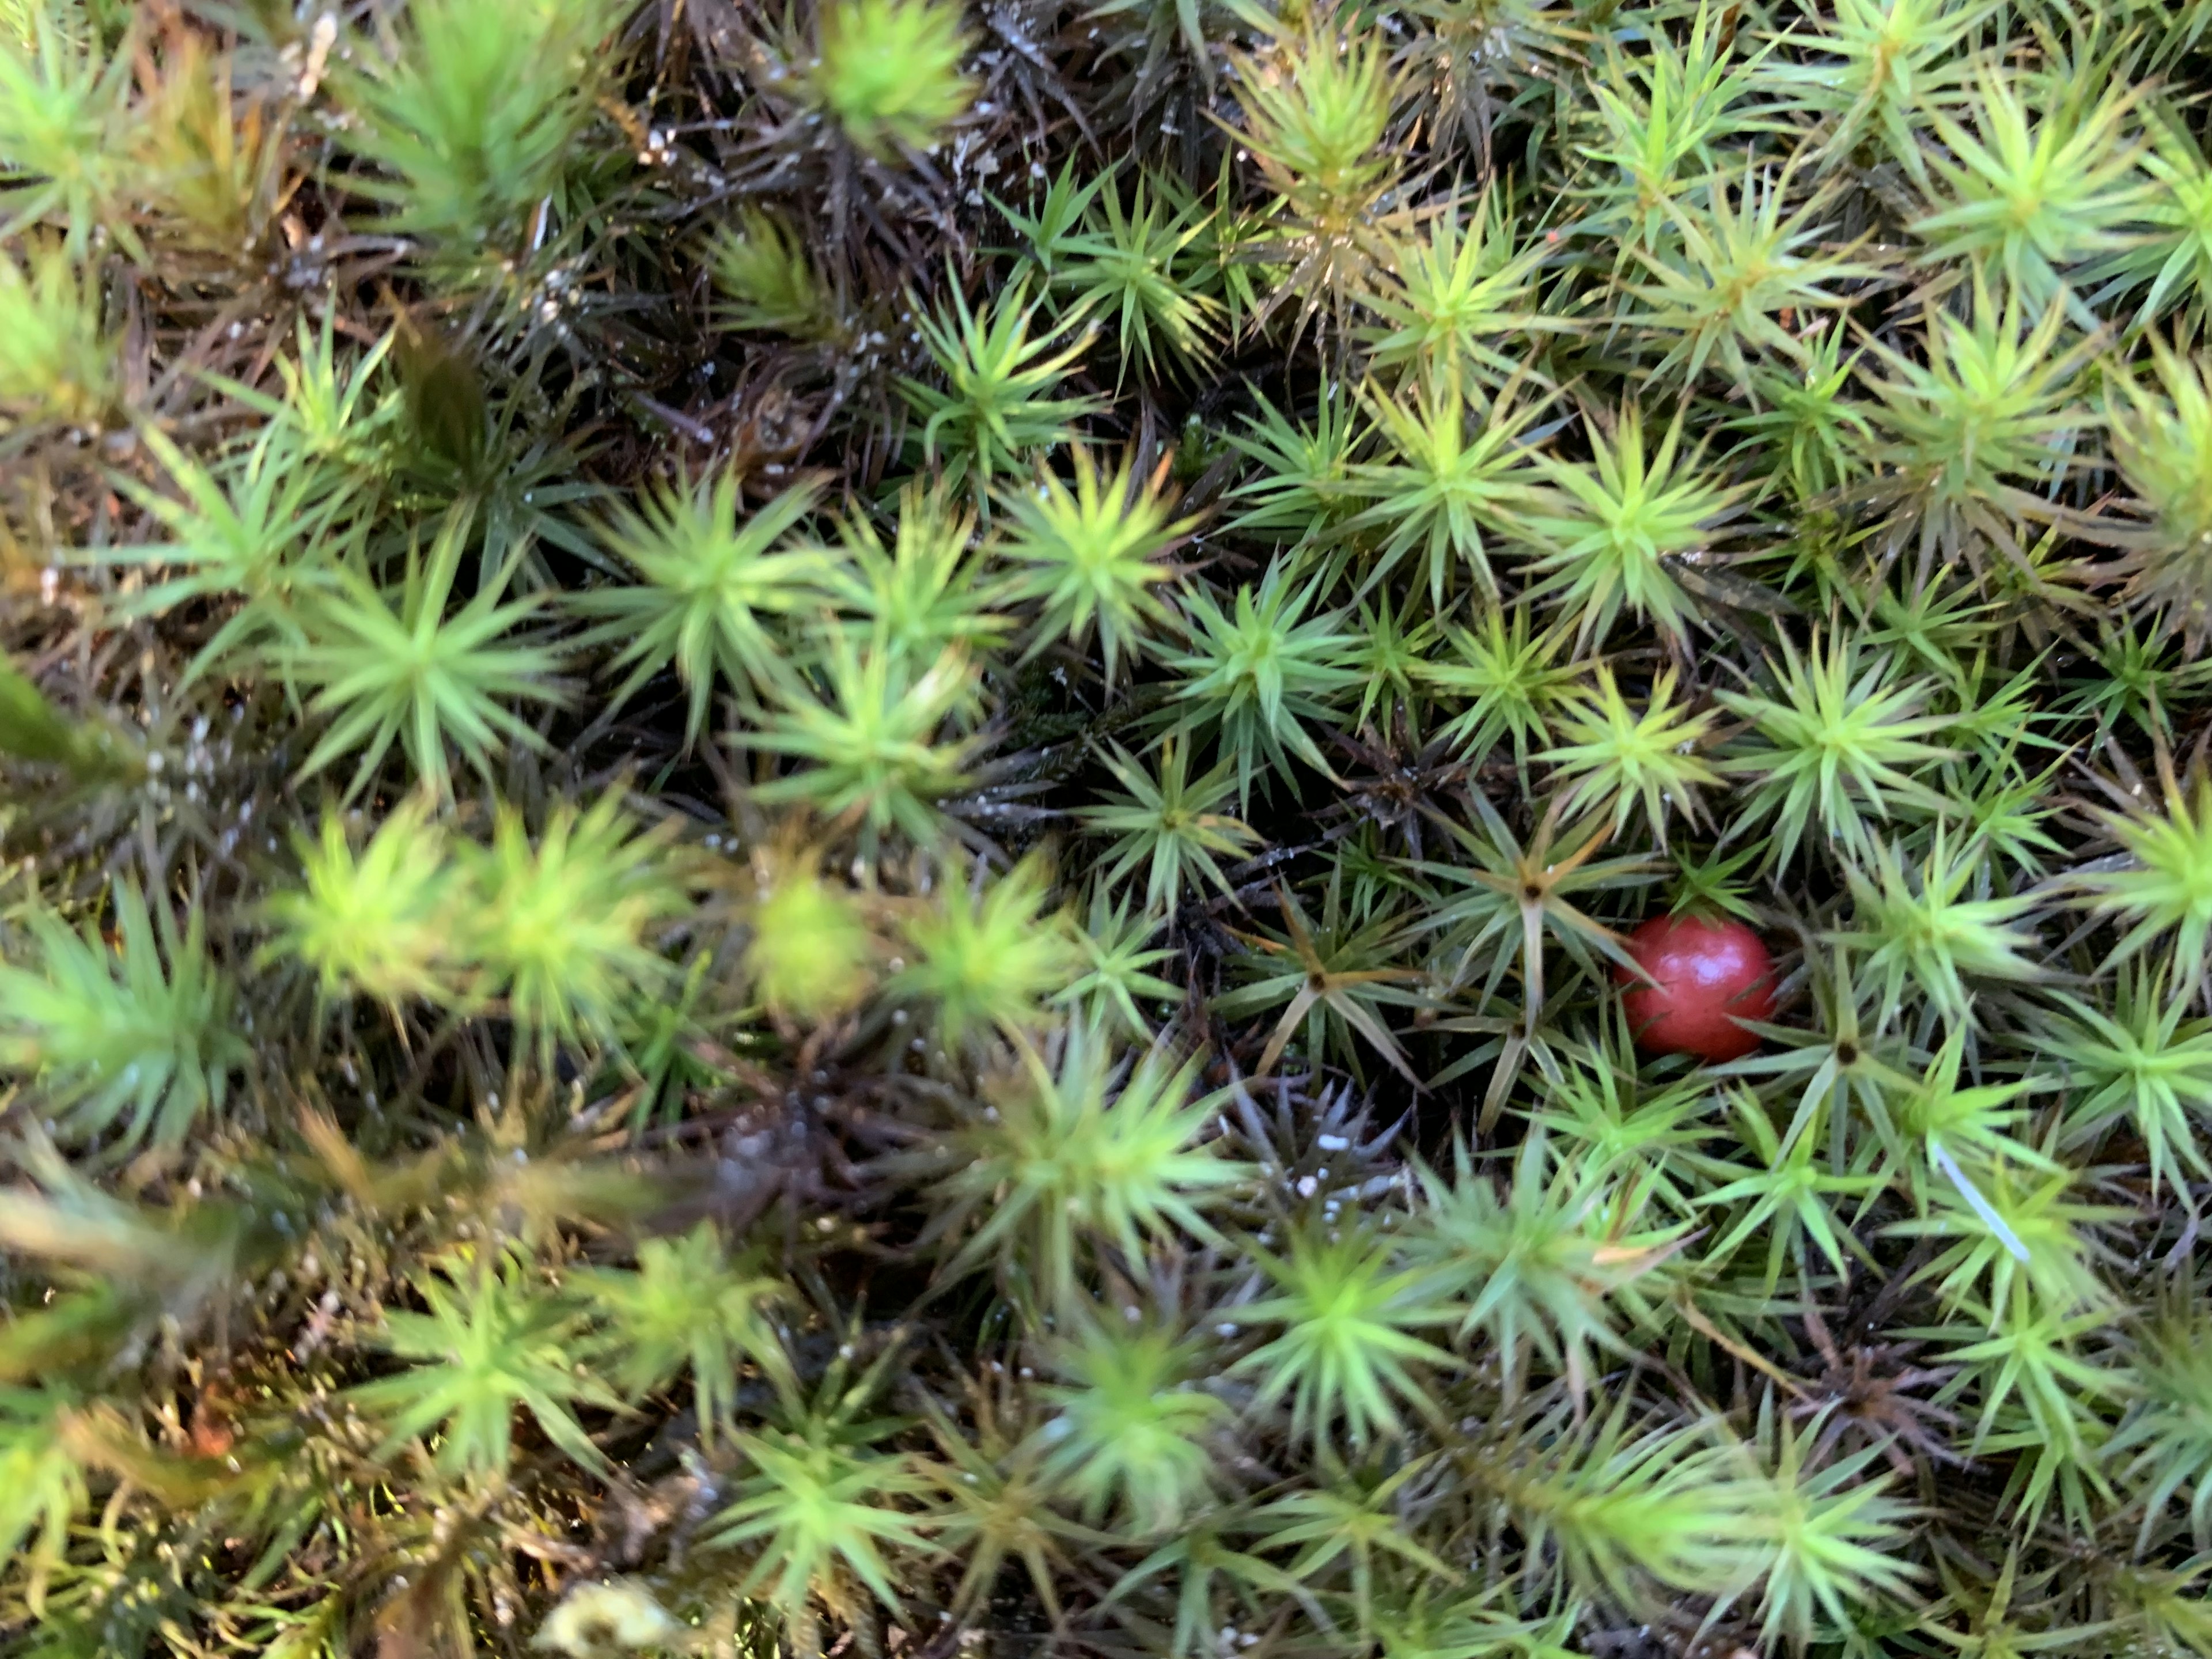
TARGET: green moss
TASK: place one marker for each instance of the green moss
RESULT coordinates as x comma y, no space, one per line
818,828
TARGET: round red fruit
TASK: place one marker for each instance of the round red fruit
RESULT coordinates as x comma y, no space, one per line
1704,975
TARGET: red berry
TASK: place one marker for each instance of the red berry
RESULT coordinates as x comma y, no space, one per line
1706,975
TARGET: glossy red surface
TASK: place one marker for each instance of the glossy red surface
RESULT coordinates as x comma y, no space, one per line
1706,974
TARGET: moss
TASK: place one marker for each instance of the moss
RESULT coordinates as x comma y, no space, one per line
818,827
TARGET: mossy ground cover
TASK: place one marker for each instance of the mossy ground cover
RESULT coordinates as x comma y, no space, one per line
820,824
